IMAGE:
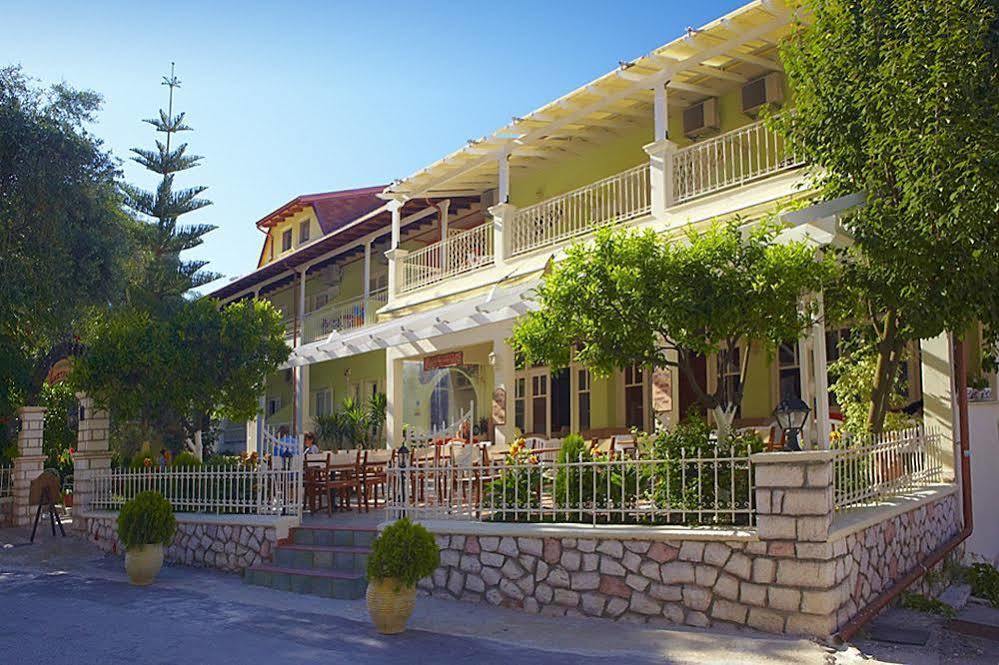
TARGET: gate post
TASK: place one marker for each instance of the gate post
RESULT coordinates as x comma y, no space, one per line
92,456
30,460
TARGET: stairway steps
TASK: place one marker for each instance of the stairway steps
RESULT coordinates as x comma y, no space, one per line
328,561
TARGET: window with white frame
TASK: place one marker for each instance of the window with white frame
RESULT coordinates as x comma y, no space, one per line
634,396
539,403
583,380
303,232
520,403
323,400
789,371
286,240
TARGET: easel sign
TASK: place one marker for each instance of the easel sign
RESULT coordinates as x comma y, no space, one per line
45,492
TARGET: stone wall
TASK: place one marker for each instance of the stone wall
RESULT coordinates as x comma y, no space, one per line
204,542
800,571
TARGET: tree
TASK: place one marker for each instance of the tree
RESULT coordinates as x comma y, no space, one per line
65,242
640,298
898,99
166,276
183,370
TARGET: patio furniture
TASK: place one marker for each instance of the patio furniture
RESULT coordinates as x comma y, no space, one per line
624,446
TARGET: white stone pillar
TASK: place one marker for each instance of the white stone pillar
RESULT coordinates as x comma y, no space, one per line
660,120
442,208
396,255
821,367
304,405
503,219
30,461
939,395
395,207
503,190
661,176
92,454
394,393
368,314
504,372
805,380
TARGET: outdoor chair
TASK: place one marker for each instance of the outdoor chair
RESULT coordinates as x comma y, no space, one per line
623,446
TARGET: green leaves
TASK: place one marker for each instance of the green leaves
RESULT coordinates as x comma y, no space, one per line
636,298
146,520
404,552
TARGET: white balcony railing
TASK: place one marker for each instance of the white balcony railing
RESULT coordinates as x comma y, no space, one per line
730,160
620,197
871,468
340,316
463,252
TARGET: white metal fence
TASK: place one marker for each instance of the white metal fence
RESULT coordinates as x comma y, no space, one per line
715,489
871,468
462,252
620,197
338,317
269,485
729,160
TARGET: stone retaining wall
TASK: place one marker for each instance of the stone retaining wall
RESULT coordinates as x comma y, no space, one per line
799,572
230,547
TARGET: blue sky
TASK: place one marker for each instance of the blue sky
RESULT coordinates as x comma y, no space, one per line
295,98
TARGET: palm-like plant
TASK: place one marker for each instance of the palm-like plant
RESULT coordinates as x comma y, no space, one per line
377,407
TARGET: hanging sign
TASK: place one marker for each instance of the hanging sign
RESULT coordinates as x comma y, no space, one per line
442,360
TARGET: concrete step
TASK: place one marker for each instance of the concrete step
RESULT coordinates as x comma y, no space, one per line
325,557
343,585
333,536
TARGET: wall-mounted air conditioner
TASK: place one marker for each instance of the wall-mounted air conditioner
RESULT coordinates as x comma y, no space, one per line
701,118
762,92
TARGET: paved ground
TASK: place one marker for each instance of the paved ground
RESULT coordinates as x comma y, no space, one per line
63,601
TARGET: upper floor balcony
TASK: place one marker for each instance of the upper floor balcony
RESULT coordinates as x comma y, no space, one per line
731,160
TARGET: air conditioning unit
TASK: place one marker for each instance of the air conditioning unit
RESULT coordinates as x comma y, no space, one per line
762,92
701,118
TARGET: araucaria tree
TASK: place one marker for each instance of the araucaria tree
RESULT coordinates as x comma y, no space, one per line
898,99
166,275
641,298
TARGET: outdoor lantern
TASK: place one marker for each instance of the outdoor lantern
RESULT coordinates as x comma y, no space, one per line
791,414
74,415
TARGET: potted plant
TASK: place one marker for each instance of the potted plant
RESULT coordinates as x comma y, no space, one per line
402,555
145,525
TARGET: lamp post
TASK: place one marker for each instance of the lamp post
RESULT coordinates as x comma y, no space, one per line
791,414
403,454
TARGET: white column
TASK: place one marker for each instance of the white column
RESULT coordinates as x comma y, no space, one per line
395,254
304,407
503,218
660,109
503,195
805,379
661,175
395,207
940,396
394,391
368,314
504,371
821,375
442,208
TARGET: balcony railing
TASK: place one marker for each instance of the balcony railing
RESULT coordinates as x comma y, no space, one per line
463,252
730,160
620,197
341,316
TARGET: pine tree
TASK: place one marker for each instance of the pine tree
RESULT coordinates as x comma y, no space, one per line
166,275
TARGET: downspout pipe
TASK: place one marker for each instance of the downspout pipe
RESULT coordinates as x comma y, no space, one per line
852,627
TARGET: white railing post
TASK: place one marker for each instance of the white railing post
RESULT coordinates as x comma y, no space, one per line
396,271
661,164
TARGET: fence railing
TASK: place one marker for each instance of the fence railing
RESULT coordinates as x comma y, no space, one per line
460,253
870,468
270,485
716,489
341,316
619,198
729,160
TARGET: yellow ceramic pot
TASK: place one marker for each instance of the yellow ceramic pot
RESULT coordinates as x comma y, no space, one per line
143,563
390,605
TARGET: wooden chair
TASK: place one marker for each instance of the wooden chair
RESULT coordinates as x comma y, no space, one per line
775,439
623,445
369,477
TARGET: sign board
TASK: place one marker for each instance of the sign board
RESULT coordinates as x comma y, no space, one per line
443,360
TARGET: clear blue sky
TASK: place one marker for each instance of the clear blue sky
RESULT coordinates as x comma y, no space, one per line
295,98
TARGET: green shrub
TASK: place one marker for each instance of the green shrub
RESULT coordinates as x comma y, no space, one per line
573,485
513,494
984,581
146,520
186,459
920,603
405,552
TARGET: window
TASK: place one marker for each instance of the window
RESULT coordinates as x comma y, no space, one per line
286,241
583,398
539,404
324,402
729,374
634,396
303,232
273,405
519,403
370,389
789,367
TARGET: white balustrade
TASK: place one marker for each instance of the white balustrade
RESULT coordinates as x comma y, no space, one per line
460,253
730,160
616,199
341,316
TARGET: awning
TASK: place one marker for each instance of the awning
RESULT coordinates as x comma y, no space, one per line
821,224
500,304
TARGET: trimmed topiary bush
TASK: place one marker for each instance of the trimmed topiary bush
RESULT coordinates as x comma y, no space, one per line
146,520
405,552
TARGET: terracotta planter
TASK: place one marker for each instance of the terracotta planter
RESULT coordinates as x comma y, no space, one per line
143,563
390,605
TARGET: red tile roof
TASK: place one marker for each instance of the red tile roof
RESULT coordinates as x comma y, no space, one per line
333,209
